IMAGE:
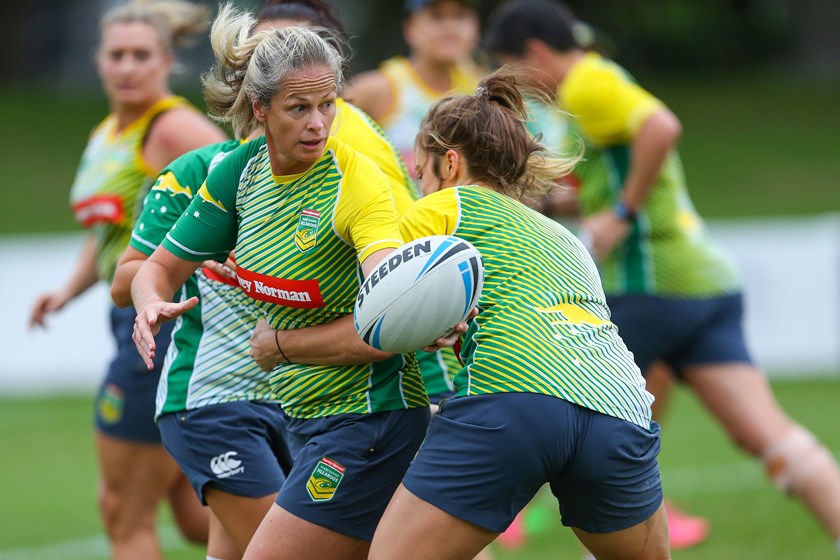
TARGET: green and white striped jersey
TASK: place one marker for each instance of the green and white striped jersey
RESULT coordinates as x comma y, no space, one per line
544,326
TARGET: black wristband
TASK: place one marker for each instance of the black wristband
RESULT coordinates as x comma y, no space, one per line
277,341
623,212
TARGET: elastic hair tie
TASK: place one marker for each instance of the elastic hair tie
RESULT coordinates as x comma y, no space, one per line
277,341
482,91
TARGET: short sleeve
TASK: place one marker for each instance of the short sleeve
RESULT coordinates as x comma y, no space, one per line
609,106
365,214
166,201
435,214
207,228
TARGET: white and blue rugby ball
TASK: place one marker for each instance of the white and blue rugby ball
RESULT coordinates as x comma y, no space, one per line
418,293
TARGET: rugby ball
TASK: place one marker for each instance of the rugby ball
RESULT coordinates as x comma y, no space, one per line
418,293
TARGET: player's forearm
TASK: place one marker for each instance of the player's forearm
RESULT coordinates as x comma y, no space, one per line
151,284
84,275
658,135
127,268
333,344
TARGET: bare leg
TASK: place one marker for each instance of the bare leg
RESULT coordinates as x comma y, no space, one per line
413,528
660,383
646,541
686,530
192,518
741,399
239,515
135,477
220,544
283,536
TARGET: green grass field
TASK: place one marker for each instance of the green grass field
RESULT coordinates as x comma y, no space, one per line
750,147
49,472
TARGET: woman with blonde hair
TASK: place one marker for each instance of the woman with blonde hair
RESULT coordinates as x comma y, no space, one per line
224,410
306,217
147,128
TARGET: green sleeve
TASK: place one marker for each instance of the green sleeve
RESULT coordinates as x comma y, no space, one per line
207,228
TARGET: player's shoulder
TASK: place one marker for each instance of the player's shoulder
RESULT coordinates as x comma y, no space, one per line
347,157
445,201
372,91
201,157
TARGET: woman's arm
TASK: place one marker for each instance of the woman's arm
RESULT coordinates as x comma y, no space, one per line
152,290
176,132
127,267
334,344
650,147
84,276
371,92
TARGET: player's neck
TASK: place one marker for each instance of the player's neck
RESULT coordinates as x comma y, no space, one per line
127,113
436,75
564,62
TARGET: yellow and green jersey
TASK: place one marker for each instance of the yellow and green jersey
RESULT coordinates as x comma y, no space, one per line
298,241
544,326
112,180
412,99
668,251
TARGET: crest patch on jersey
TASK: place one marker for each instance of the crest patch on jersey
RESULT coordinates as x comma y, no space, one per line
307,230
325,479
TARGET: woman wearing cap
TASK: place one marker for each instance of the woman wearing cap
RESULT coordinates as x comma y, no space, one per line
441,35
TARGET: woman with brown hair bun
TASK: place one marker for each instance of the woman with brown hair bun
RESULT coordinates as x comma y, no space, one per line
542,347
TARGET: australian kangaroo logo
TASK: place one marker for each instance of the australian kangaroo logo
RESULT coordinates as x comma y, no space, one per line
324,480
307,230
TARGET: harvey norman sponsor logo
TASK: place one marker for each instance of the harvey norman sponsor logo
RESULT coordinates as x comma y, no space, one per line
281,291
99,209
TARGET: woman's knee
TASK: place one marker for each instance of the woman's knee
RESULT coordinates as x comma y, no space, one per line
792,458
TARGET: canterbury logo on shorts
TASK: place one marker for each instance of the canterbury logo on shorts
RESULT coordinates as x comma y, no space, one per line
325,479
226,465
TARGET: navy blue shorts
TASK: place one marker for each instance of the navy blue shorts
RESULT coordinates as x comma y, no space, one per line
125,402
681,332
485,457
347,467
236,447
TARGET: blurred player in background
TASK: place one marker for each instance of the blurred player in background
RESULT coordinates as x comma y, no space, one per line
674,295
147,128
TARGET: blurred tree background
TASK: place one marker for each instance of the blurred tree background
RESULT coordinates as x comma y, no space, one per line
756,84
54,39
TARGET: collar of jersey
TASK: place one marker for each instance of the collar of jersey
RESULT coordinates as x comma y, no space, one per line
283,179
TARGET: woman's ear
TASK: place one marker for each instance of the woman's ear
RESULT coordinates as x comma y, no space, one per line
451,166
259,110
